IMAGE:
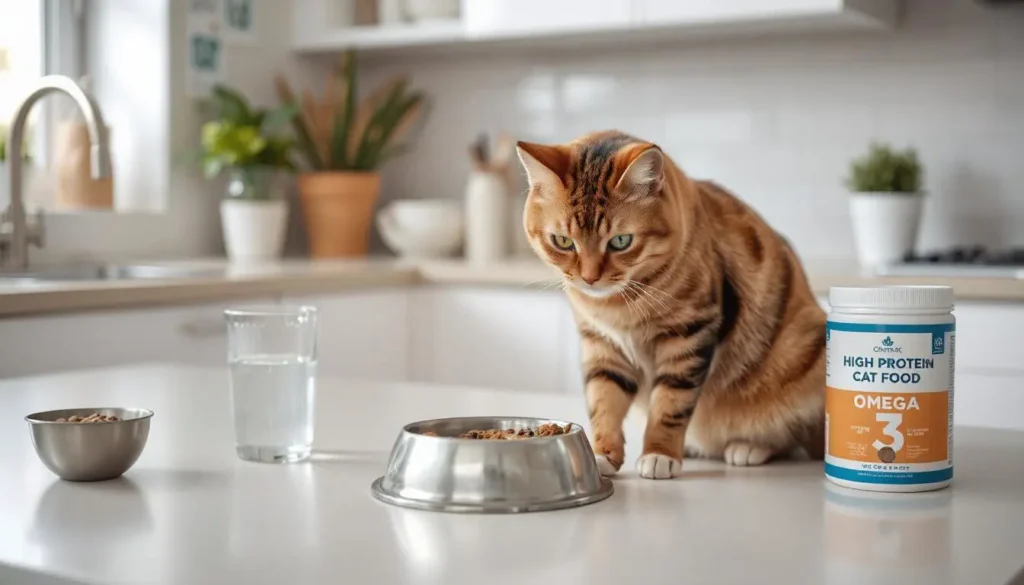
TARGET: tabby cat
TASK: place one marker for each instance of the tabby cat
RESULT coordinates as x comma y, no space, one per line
686,302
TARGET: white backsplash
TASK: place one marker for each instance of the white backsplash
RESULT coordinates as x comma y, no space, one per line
775,120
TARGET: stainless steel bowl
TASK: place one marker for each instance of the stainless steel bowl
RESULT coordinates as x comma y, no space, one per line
449,474
89,451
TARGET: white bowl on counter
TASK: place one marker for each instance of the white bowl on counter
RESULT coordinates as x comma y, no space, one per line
422,228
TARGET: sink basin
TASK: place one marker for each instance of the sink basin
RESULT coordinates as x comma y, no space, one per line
86,272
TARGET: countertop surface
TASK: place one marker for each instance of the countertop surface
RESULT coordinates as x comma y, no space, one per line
190,512
217,280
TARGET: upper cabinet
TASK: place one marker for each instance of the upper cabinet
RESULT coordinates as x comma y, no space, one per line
555,23
482,18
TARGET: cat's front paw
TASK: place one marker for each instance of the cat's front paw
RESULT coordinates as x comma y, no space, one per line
606,466
743,454
658,466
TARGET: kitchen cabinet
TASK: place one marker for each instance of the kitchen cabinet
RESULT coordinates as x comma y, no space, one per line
485,336
498,17
491,337
192,334
362,335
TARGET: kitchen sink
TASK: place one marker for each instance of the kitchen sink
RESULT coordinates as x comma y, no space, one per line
103,272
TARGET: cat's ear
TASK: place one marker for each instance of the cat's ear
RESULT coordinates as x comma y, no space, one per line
644,174
545,165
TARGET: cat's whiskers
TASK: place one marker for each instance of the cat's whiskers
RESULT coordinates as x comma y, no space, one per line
664,294
545,283
642,313
643,296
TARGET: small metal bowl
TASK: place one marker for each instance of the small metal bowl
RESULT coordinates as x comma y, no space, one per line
449,474
89,451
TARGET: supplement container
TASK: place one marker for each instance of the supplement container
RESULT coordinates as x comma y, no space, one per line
889,388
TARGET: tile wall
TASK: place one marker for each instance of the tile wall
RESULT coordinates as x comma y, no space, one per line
774,119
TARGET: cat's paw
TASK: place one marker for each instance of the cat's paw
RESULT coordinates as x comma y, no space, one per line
658,466
743,454
606,466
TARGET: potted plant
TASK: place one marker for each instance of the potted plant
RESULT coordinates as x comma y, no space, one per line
885,203
248,145
344,142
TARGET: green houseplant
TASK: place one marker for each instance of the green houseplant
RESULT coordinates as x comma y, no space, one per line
343,141
251,146
885,203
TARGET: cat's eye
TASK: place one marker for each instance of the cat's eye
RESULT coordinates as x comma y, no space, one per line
562,242
620,242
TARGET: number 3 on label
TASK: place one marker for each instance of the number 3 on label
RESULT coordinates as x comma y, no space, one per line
892,422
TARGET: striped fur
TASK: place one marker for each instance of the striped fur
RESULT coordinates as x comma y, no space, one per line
706,319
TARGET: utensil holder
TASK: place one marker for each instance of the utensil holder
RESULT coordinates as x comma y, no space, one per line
487,209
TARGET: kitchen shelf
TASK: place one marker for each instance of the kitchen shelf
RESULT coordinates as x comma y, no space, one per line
393,37
809,16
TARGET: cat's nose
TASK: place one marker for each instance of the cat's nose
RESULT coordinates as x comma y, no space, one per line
590,280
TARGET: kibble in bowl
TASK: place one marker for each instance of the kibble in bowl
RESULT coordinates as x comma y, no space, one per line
92,418
544,430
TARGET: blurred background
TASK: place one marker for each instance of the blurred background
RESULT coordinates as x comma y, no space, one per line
291,151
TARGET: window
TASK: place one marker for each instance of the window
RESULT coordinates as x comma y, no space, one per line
37,37
21,54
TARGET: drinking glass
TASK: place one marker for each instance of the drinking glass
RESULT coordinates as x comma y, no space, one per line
272,357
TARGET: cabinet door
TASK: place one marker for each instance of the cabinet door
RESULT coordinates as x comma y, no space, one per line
490,338
989,399
362,335
191,334
494,17
571,367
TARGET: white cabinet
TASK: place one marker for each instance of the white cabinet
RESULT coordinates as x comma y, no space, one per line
193,334
362,335
497,17
491,337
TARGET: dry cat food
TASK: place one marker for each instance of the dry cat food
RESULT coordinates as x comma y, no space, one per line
92,418
544,430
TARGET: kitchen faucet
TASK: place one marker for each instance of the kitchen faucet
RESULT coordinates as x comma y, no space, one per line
16,231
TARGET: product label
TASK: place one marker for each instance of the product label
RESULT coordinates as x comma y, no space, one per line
889,402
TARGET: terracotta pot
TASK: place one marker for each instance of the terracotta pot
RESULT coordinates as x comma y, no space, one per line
338,209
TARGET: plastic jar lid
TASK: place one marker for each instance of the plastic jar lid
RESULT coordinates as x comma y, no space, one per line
891,297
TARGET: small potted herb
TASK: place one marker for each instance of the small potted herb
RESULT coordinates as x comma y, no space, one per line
249,145
885,203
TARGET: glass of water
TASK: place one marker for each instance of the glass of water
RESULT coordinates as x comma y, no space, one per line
272,356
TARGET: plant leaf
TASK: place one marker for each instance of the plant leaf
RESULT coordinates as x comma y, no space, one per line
276,119
232,105
367,108
389,123
343,122
375,129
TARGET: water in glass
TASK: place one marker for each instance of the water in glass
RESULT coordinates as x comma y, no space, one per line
273,400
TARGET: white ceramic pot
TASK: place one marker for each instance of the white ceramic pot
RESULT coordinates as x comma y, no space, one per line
253,229
885,226
421,228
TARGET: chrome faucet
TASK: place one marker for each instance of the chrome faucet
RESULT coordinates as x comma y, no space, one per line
16,231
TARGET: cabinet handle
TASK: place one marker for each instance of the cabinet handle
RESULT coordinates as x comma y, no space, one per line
205,329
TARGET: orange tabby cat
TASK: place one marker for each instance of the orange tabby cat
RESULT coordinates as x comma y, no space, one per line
685,299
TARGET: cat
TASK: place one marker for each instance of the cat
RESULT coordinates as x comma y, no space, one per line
687,302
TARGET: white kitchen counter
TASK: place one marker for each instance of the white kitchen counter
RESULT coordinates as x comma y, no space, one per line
190,512
219,280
